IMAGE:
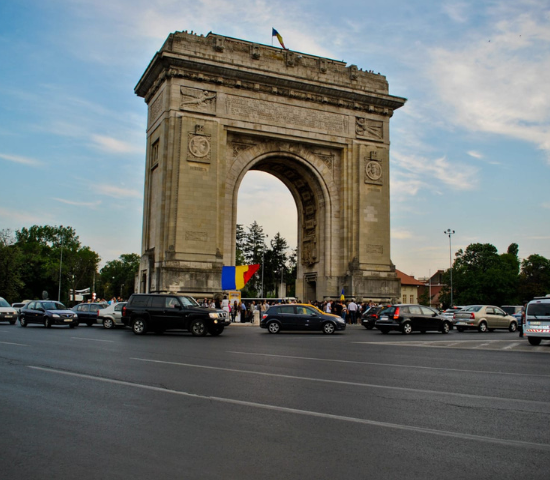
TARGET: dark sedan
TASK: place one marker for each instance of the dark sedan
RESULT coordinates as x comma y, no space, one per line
47,313
409,318
88,312
300,317
368,319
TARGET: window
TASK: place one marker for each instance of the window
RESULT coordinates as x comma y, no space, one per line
404,298
415,310
427,311
140,301
287,309
158,302
411,298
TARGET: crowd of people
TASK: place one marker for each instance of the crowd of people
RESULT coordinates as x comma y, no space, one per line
349,310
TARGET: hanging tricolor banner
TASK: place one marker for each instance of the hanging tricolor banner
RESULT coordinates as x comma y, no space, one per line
342,296
235,278
275,33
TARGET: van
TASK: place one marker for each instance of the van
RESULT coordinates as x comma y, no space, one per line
537,320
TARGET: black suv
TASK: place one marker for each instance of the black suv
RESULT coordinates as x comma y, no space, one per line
409,318
158,312
368,319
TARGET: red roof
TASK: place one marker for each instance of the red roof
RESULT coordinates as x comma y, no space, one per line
407,279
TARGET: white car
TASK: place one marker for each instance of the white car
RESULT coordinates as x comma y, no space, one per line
111,316
7,312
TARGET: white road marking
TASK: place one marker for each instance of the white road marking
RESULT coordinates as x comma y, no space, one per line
19,344
512,345
397,365
264,406
92,339
341,382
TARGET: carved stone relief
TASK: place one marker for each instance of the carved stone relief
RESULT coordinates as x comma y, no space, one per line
367,128
373,169
156,108
197,100
199,147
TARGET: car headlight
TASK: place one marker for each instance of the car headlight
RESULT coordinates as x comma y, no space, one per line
55,315
213,315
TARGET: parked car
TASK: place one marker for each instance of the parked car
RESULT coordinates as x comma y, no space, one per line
300,317
111,316
87,312
158,312
7,312
512,309
449,313
412,317
537,320
369,317
484,318
47,313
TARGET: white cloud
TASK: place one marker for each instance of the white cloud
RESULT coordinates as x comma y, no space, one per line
546,205
498,82
21,160
456,11
15,218
78,204
112,145
401,234
116,191
475,154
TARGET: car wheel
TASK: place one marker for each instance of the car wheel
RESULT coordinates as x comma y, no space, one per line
23,321
215,331
139,326
534,341
198,328
48,322
513,327
445,328
407,328
385,331
108,323
460,329
273,327
328,328
482,327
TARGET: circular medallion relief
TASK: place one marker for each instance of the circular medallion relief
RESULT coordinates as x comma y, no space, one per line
199,146
374,170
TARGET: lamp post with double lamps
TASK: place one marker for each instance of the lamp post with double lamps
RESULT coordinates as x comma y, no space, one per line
450,232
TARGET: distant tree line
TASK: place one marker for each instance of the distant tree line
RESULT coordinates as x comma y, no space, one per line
49,261
278,262
483,276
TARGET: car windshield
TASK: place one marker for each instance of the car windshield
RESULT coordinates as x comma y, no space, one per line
3,303
53,306
539,309
473,308
188,302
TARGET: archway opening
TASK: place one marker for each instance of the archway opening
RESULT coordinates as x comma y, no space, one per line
266,202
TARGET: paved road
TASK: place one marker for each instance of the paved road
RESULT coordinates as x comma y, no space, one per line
90,403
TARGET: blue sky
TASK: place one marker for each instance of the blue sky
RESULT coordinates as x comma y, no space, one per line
470,150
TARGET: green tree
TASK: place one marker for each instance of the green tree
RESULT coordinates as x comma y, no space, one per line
117,277
534,278
482,276
240,245
11,262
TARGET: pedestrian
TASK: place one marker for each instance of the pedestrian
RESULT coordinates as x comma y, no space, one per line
352,310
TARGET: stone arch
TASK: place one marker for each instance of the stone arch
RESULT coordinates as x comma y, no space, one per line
219,107
310,175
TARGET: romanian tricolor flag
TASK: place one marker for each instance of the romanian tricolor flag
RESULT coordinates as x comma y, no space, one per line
235,278
275,33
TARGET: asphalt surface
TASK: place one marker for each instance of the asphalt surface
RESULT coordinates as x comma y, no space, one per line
90,403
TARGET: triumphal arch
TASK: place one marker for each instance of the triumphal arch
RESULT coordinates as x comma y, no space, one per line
219,107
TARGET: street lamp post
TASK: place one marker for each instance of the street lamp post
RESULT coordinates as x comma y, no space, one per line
450,232
263,262
60,266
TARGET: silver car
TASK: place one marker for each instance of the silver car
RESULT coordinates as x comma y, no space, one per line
111,316
484,318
